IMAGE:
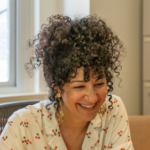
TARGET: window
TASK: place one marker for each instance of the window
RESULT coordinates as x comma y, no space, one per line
7,42
17,17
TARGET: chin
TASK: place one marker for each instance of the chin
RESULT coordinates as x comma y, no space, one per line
89,118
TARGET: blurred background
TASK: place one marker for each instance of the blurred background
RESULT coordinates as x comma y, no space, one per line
20,20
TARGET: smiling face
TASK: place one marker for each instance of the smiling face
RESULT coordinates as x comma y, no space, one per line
82,100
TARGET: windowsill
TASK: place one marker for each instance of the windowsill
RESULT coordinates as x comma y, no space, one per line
23,97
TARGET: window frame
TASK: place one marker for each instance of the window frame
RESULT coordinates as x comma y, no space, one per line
22,30
12,45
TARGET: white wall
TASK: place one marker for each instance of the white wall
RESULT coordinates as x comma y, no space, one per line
74,8
48,8
125,19
70,8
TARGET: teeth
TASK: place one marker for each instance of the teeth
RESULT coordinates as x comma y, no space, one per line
87,106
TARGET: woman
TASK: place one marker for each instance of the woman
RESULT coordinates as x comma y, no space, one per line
79,58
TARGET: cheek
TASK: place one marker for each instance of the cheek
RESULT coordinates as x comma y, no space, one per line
71,98
103,93
76,97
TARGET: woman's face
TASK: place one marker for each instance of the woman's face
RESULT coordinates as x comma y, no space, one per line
82,100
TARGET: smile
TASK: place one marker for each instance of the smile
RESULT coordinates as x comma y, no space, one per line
87,106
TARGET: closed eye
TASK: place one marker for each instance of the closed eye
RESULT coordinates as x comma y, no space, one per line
83,86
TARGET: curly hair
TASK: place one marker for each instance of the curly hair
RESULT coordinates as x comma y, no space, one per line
64,45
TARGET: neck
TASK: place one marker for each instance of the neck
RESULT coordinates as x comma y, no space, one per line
73,125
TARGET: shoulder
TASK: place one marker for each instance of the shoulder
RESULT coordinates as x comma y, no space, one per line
29,111
115,105
26,125
28,119
114,100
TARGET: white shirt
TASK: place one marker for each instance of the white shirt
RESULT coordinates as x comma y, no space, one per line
35,128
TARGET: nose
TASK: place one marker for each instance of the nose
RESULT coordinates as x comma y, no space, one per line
91,95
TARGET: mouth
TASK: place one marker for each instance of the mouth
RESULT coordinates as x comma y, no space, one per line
88,107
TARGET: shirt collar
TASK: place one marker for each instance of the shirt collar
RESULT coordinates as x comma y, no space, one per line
52,129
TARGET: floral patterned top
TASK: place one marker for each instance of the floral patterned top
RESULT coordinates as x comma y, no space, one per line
35,128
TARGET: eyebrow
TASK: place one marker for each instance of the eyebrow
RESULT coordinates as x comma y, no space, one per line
78,81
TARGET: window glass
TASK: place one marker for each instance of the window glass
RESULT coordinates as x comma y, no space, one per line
4,40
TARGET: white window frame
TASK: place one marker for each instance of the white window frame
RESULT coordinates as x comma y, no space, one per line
23,12
12,45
